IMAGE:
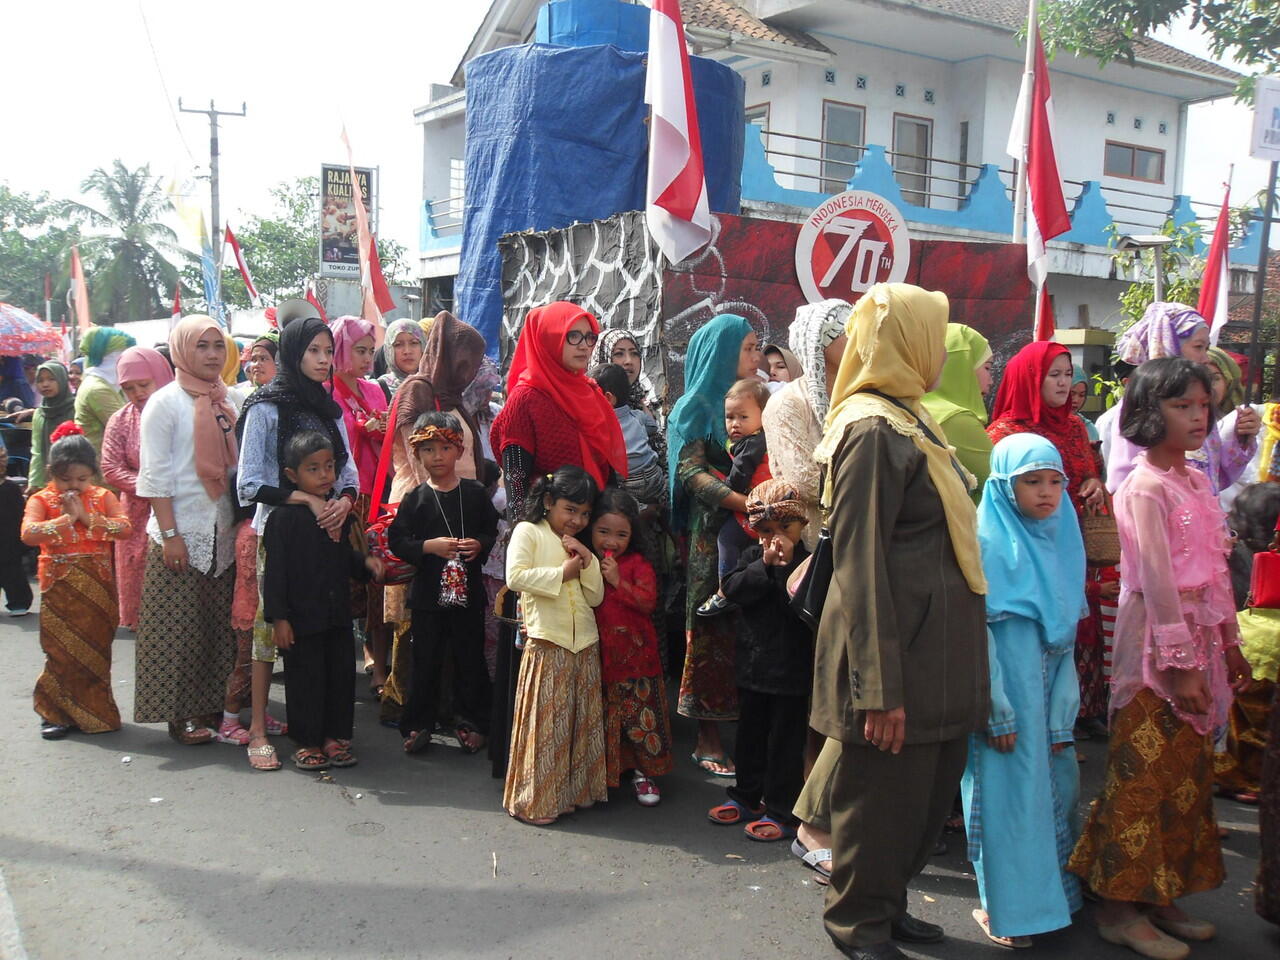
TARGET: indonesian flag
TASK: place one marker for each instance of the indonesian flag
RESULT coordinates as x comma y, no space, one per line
176,315
1216,284
230,239
79,292
381,292
1046,212
676,209
369,308
315,302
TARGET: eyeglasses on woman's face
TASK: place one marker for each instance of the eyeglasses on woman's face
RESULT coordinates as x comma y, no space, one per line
576,338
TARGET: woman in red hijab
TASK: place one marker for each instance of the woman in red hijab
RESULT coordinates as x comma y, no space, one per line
555,416
1033,398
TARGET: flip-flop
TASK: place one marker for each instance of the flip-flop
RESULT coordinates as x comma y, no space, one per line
812,859
784,832
732,812
722,760
418,741
267,754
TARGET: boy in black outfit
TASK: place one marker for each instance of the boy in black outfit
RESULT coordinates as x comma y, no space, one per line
773,663
446,526
306,599
13,573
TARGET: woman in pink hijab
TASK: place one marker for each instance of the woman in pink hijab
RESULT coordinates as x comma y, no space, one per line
141,371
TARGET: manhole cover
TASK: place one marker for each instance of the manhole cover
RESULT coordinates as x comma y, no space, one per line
366,829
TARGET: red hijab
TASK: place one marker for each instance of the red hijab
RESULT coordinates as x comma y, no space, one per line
537,363
1021,389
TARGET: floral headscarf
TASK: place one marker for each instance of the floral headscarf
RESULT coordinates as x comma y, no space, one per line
816,327
642,389
1159,333
394,376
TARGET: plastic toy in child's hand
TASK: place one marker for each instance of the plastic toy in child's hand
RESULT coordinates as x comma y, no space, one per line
608,554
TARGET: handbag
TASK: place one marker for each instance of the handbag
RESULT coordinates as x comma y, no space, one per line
810,581
1264,581
1101,535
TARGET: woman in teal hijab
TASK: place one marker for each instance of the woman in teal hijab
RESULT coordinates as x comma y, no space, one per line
1022,782
958,404
1079,392
721,352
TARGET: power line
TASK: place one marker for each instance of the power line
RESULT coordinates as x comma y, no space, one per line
168,100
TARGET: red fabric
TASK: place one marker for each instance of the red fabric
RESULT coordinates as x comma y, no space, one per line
381,294
532,420
1044,315
1215,267
537,364
315,302
681,196
1080,461
1044,185
1020,396
628,641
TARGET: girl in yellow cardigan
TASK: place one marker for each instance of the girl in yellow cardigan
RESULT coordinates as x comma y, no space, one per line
557,743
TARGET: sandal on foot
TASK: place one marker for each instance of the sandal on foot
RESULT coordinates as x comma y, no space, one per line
189,733
731,812
232,731
703,762
470,739
1014,943
339,753
1161,947
417,741
310,759
647,794
813,860
263,757
537,822
768,830
275,728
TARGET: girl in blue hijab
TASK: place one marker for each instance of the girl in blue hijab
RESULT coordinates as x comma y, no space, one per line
1022,780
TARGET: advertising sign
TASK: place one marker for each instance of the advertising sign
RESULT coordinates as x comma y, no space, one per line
339,246
1266,119
850,242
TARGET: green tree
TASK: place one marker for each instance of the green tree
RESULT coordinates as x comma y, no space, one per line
1247,31
129,265
33,241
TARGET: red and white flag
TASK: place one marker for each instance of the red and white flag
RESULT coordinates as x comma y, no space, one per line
230,239
1046,211
79,292
1216,284
370,309
176,314
381,292
676,209
315,302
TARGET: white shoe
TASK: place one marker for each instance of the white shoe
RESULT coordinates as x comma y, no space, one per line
646,790
19,611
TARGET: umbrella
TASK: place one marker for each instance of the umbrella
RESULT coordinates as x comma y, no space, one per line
22,333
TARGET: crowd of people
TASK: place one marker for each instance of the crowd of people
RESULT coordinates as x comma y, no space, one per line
913,610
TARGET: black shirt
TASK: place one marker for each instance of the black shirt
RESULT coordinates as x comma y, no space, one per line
775,647
11,509
748,453
307,574
468,514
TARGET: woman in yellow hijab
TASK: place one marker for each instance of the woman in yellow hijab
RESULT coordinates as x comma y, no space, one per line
901,663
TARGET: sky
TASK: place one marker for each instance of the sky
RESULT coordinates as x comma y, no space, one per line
93,81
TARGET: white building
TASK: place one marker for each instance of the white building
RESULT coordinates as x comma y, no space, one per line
907,95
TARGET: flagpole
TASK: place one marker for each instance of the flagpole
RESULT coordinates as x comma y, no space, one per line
1028,83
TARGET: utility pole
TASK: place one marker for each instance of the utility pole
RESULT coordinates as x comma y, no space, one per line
213,113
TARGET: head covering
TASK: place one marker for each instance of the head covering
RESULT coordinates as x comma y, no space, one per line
143,363
789,359
59,408
432,432
270,341
896,337
816,327
347,332
231,369
1034,568
710,369
1021,393
97,342
1159,333
774,500
214,419
957,391
642,389
294,393
538,363
394,375
1231,372
479,394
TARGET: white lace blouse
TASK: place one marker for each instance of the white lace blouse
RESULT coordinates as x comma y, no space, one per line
167,468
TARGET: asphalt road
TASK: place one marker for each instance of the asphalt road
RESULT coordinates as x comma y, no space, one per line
129,845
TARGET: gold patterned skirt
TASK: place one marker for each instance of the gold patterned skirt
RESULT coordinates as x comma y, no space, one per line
557,742
78,617
1239,768
1151,836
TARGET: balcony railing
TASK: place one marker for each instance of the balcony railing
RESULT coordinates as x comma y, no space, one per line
445,215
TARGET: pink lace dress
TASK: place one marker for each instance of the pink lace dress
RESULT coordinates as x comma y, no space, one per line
1176,607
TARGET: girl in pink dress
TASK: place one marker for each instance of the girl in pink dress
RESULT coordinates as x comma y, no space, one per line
142,371
1151,837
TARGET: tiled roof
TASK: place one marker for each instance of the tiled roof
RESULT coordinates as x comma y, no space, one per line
728,16
1012,14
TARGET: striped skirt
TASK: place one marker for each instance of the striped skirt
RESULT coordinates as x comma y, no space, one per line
557,742
78,618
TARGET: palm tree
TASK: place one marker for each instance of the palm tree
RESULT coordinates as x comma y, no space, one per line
128,260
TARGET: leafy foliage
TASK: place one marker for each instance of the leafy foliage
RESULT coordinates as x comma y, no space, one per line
33,242
1182,271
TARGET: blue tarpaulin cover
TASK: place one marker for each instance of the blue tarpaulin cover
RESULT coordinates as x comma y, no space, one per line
557,135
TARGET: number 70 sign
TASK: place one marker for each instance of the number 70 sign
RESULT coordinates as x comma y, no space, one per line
850,242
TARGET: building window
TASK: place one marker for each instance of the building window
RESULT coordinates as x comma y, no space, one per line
861,83
1133,162
1163,127
899,89
843,136
829,76
766,77
912,141
457,187
963,175
1137,123
758,114
928,96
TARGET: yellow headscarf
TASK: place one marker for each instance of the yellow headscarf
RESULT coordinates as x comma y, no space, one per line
897,334
231,369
